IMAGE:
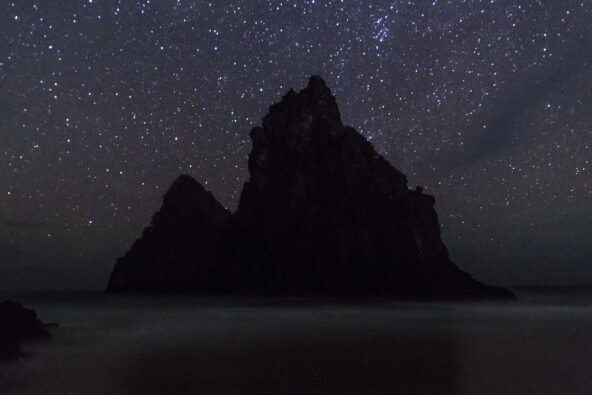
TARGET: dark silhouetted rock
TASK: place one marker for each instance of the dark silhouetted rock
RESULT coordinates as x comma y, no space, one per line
177,248
18,324
322,214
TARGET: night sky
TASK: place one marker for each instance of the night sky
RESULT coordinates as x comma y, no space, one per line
488,104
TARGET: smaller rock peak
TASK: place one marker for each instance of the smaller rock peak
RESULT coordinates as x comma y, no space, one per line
182,184
184,181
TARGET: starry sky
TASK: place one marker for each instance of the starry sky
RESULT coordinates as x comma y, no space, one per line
488,104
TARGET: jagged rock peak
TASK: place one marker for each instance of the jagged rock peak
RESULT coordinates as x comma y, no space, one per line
317,88
314,103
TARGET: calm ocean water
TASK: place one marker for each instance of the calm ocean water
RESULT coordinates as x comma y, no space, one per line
541,344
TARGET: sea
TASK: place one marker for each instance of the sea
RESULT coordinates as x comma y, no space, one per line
137,344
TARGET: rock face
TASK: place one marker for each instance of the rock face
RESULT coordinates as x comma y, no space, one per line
18,324
178,246
323,214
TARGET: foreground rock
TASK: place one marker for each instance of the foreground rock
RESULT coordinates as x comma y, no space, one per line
18,324
323,214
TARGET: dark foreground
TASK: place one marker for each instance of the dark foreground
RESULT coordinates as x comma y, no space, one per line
17,325
110,344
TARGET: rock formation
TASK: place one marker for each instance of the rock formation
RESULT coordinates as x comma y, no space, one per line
18,324
322,214
178,246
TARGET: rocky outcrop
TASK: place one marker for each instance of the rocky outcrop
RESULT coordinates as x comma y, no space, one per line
18,324
323,214
178,246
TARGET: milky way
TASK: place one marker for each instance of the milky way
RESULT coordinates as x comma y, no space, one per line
488,104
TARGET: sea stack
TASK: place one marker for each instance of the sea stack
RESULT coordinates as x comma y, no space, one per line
323,214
